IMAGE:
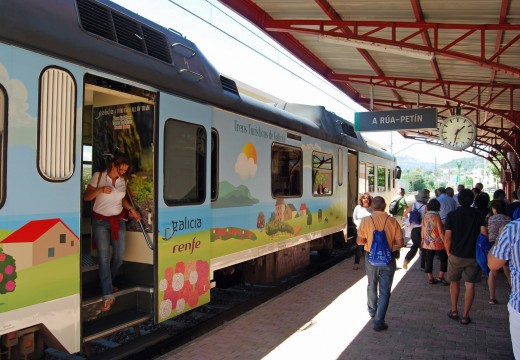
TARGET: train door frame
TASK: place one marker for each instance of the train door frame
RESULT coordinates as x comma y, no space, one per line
118,109
184,216
353,191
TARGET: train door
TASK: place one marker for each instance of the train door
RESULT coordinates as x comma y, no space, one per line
183,199
353,173
118,120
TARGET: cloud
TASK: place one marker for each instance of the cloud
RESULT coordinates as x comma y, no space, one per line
244,167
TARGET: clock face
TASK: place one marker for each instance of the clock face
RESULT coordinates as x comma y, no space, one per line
457,132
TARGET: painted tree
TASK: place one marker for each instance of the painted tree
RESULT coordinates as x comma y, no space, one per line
260,221
309,219
7,273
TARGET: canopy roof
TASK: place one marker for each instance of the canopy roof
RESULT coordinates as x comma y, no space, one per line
445,54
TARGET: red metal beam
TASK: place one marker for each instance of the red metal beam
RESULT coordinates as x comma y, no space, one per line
253,13
358,30
416,86
334,15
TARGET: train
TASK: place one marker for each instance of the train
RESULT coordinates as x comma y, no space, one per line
221,179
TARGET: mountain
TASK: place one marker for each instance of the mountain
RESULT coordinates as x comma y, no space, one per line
467,164
231,196
408,163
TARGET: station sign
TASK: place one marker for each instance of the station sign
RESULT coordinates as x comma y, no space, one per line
392,120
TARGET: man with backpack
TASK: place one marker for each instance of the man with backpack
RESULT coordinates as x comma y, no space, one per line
415,214
397,206
463,226
381,276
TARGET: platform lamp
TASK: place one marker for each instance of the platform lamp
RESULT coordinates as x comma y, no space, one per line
459,163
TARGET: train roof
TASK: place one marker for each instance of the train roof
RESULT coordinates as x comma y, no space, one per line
107,37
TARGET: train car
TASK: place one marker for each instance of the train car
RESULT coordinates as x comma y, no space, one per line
219,178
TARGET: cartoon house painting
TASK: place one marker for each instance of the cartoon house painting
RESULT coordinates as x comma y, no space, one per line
279,209
290,212
40,241
303,209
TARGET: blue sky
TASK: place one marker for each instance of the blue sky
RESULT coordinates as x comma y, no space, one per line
232,45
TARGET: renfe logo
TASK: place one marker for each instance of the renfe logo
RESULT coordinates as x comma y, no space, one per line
186,224
195,244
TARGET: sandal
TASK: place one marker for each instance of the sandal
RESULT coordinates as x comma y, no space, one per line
465,320
453,315
493,301
443,281
107,304
432,282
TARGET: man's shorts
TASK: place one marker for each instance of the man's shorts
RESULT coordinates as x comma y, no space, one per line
457,267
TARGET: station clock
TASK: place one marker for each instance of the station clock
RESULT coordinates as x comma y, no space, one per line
457,132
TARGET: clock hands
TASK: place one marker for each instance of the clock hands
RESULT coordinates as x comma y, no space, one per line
457,133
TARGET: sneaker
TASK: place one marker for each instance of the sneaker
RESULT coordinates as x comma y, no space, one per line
493,301
405,264
372,314
381,327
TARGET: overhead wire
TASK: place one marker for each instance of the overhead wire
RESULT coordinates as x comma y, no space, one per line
291,58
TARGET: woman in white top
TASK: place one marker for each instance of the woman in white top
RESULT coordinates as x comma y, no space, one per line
108,188
362,209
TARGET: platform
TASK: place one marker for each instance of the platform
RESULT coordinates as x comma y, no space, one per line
326,318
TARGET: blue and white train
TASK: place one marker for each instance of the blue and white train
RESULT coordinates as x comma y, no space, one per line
220,178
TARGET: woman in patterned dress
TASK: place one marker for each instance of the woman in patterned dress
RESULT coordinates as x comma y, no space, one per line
432,235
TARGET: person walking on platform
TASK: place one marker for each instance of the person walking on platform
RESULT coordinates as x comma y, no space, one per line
462,229
362,209
380,276
432,234
460,187
401,206
507,248
510,209
447,203
496,223
415,214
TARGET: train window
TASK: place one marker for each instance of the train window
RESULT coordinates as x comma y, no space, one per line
3,127
340,166
381,178
214,164
184,163
286,171
370,177
56,124
362,181
321,174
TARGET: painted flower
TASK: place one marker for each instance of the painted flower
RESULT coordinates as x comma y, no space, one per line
189,267
9,269
2,256
168,273
10,285
163,284
181,304
165,309
171,295
179,267
194,275
178,281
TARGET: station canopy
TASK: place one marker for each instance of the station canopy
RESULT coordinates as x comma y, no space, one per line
461,57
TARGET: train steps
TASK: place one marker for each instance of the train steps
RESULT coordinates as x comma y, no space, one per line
133,306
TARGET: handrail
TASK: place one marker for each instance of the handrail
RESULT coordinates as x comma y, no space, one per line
193,52
186,71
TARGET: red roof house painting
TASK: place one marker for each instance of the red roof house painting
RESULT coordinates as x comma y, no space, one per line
40,241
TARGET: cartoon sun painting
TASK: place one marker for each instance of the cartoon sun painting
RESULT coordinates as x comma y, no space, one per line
245,166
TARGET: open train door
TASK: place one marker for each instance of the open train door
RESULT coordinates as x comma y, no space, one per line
184,200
